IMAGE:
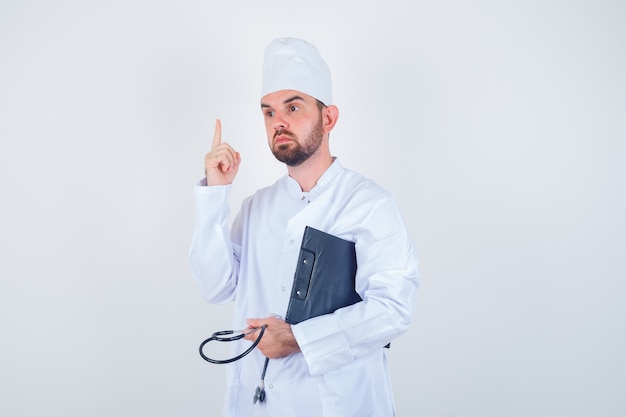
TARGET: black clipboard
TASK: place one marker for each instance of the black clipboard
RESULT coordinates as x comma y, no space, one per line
324,278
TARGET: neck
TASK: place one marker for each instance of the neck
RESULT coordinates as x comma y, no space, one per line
309,172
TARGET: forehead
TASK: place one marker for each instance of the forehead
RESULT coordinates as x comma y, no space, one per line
283,97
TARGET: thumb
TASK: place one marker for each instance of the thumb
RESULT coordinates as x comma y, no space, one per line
254,323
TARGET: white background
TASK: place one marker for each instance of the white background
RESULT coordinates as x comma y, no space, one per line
499,126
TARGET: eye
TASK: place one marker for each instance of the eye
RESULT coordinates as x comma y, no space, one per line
294,108
269,113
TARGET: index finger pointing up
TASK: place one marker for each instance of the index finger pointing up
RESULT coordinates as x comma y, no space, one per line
217,136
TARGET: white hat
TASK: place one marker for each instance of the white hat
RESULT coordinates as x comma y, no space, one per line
295,64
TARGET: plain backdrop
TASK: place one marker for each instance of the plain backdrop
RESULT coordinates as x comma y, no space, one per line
498,125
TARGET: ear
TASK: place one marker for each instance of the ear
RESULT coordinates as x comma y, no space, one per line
330,114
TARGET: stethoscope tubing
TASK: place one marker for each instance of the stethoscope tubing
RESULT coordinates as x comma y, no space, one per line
223,336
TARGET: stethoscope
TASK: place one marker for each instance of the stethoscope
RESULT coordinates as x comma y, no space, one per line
231,336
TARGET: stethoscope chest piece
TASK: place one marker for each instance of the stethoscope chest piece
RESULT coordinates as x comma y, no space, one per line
259,394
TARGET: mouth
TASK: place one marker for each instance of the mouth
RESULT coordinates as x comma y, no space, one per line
282,138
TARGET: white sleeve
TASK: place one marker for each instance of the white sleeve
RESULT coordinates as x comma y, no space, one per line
387,280
214,259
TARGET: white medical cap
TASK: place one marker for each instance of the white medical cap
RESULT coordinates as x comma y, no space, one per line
295,64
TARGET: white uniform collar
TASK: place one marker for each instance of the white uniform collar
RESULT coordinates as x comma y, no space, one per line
333,170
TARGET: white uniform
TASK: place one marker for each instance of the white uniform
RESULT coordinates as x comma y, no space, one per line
342,369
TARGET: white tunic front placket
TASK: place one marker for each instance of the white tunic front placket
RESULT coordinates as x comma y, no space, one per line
292,241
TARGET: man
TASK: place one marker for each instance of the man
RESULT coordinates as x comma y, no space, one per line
334,364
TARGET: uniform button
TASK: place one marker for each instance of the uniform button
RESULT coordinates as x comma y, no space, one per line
291,242
270,386
284,289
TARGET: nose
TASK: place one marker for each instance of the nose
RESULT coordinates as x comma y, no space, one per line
279,122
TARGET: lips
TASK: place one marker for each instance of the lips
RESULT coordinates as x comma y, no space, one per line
283,138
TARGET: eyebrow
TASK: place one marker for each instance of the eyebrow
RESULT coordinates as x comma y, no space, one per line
289,100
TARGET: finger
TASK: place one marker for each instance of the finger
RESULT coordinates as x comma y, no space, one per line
235,161
251,333
223,157
265,321
228,159
218,161
253,323
217,136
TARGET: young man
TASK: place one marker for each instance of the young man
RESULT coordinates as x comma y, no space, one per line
334,364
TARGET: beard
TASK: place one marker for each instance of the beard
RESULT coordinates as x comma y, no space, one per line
295,152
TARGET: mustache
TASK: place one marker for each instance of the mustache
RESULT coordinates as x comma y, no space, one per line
283,132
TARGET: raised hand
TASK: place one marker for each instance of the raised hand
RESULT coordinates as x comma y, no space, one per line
222,163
